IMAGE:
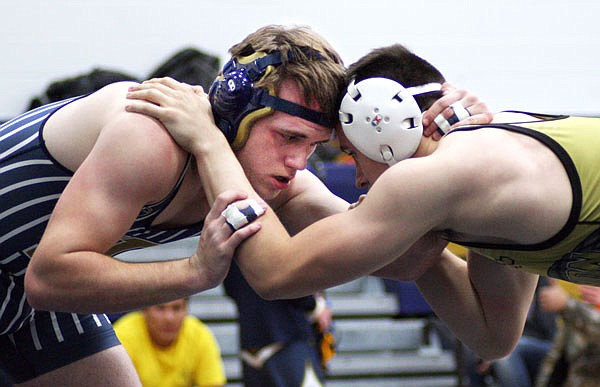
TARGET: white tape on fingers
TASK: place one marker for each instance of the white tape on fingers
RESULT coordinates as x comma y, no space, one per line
237,218
442,124
460,111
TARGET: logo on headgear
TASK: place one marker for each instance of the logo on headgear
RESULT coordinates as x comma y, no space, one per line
376,120
237,103
231,85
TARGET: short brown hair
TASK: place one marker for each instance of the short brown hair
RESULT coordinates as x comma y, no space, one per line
398,63
317,68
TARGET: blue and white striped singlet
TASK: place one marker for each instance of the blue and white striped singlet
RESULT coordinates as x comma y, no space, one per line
31,182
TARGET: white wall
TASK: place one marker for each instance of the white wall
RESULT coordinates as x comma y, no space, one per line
532,55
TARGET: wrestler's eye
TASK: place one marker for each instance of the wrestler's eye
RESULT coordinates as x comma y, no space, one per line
290,137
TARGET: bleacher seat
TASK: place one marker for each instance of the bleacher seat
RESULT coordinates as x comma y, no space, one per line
375,347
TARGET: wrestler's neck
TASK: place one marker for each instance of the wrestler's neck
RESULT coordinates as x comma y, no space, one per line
426,147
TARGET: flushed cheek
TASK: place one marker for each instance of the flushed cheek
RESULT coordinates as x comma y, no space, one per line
263,186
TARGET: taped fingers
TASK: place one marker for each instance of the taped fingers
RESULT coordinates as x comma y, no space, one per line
237,217
459,113
442,124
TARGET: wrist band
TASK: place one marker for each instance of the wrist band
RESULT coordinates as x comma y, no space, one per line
237,218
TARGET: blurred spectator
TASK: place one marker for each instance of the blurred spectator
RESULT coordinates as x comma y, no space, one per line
190,66
79,85
284,343
171,348
574,359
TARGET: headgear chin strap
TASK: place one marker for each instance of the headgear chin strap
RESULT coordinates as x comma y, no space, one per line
237,104
382,119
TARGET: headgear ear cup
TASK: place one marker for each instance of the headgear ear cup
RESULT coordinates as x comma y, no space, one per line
237,104
231,93
382,119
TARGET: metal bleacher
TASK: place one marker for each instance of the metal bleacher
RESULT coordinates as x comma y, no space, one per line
375,348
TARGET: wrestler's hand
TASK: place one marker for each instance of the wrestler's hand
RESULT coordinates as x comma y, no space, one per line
183,109
217,243
477,110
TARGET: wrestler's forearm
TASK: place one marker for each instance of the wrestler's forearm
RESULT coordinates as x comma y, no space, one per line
486,312
445,287
219,168
90,282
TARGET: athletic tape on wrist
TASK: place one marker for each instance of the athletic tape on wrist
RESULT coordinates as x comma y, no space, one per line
237,218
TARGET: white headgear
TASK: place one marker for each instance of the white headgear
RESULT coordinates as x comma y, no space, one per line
381,118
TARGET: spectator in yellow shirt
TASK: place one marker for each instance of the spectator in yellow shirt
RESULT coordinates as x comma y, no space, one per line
171,348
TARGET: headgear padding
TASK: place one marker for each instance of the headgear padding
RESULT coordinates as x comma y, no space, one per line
237,103
382,119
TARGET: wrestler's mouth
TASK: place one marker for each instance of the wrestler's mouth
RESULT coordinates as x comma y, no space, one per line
281,182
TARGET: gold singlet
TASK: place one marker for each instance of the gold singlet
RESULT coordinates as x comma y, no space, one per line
573,254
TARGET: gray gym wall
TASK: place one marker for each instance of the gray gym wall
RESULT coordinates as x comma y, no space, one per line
531,55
